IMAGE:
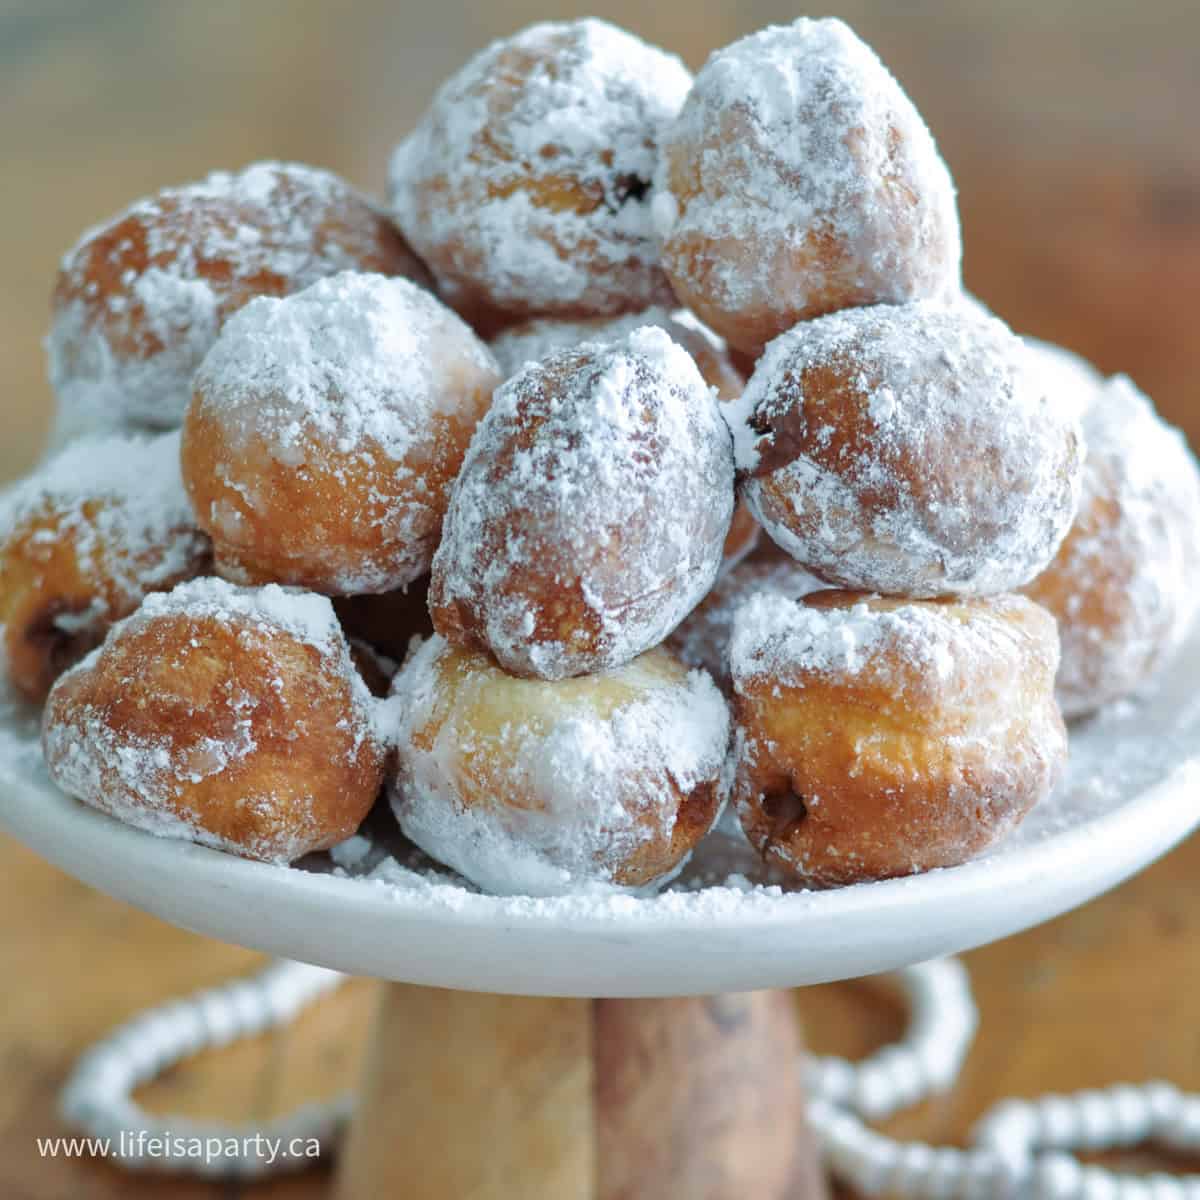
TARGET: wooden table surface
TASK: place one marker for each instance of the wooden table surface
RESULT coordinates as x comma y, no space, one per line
1070,131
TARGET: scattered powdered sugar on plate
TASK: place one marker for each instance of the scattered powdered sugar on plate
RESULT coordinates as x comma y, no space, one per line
604,473
528,179
911,450
1114,758
594,766
189,255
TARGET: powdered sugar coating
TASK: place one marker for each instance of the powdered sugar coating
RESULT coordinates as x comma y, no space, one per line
882,737
774,637
1069,379
703,639
355,357
82,540
910,450
1133,764
120,498
539,338
526,184
799,179
1125,585
140,299
528,787
201,755
325,430
590,512
302,615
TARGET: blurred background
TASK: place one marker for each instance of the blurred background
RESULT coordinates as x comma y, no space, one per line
1070,128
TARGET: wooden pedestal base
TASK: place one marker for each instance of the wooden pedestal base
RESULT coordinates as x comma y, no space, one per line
477,1097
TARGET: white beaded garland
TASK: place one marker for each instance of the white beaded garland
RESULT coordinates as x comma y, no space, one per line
97,1098
941,1026
1020,1148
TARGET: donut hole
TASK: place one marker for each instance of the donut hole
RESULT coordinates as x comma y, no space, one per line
526,186
627,188
52,640
786,810
760,422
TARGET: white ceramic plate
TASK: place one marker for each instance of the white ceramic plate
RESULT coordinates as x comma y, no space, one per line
1132,791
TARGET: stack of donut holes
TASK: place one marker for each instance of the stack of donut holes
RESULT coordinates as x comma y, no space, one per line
640,453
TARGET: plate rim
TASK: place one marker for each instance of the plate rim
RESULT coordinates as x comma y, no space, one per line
1124,826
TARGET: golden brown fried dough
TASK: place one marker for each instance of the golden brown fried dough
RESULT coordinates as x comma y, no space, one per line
529,786
326,429
591,511
798,180
910,449
228,716
880,737
526,187
82,541
141,299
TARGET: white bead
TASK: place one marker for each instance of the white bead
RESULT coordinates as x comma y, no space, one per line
1131,1115
1162,1102
1183,1131
1097,1124
843,1131
108,1076
906,1078
1058,1122
872,1095
1056,1177
820,1113
1164,1187
874,1169
250,1012
985,1177
1099,1184
946,1174
833,1077
1011,1127
220,1021
940,1064
1132,1187
913,1164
